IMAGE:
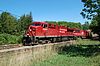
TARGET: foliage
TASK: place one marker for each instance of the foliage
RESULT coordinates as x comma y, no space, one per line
11,28
94,25
91,10
10,39
86,26
24,21
11,25
7,23
67,24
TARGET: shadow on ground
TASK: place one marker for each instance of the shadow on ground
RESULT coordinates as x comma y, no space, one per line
80,50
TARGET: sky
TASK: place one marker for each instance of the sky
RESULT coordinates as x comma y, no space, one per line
45,10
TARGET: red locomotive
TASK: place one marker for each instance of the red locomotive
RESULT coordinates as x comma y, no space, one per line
43,32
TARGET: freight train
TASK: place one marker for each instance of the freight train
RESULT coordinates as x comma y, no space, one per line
44,32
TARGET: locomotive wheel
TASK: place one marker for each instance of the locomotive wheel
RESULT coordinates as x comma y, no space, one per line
23,41
27,41
53,40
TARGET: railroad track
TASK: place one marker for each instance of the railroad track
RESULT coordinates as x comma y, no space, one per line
10,46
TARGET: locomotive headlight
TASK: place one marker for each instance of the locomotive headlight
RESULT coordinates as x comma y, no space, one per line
82,33
30,30
33,29
27,34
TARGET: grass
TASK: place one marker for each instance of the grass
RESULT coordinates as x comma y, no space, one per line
64,60
87,42
83,53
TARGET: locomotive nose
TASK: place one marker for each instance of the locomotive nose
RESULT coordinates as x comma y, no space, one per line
31,31
32,28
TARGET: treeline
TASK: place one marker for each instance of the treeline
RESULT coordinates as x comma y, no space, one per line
12,25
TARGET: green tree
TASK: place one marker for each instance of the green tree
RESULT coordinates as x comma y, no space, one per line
86,26
91,10
24,21
7,23
94,25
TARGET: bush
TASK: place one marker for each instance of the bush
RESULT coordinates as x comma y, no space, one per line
10,39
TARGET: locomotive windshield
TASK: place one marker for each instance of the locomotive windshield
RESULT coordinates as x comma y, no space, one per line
77,31
36,24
